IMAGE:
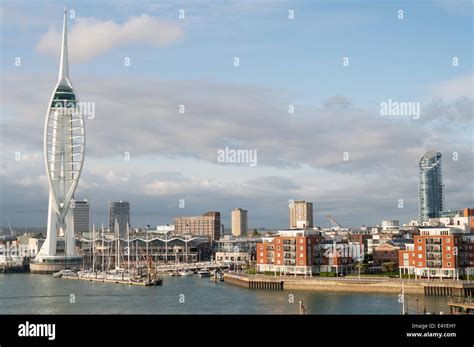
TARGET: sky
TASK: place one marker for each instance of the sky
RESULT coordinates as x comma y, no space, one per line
335,62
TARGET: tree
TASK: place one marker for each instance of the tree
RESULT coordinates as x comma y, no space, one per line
389,266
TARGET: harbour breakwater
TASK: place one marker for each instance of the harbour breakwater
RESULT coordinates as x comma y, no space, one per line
349,284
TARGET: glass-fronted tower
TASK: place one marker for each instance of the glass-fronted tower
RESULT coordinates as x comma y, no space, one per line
430,188
64,146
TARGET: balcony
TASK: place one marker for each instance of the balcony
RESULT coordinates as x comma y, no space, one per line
434,264
434,256
433,248
433,241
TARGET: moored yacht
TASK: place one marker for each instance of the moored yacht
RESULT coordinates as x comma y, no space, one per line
204,273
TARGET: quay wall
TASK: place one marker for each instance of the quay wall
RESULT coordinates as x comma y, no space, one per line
355,285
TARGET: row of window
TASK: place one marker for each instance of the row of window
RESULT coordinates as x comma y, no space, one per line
279,255
301,240
420,264
419,240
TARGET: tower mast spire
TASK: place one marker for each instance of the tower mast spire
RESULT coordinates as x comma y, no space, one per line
63,65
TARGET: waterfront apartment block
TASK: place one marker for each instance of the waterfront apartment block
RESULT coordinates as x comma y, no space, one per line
301,215
81,217
239,222
119,211
443,252
209,225
290,252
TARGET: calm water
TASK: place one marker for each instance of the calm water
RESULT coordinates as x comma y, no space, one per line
43,294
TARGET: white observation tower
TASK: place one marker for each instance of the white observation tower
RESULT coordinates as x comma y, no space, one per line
64,145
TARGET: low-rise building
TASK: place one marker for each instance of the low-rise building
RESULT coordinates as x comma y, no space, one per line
239,250
388,252
339,257
292,251
441,252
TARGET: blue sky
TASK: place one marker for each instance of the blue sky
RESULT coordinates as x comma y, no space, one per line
396,56
282,61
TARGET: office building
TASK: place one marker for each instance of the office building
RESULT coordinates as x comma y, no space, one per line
208,225
119,211
81,217
239,222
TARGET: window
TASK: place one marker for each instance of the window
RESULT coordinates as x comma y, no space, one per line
278,240
301,263
261,253
420,256
301,248
301,240
418,240
420,264
448,256
448,240
420,248
301,255
448,248
278,248
279,255
449,264
278,262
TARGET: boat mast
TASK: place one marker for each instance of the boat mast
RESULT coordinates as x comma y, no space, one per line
117,246
93,248
102,237
128,247
146,231
136,253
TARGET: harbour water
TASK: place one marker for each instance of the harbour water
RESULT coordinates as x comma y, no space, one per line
43,294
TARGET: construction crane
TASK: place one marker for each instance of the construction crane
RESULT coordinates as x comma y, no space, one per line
333,222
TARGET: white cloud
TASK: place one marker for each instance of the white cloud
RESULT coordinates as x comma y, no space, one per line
455,88
300,156
90,37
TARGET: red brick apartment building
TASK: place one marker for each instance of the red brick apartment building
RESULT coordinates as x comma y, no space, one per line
289,252
438,252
